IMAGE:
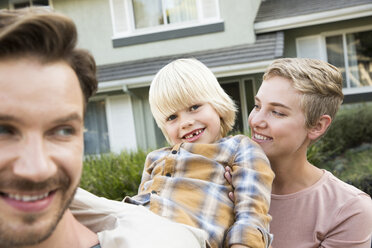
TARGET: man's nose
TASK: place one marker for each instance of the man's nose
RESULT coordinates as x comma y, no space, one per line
33,162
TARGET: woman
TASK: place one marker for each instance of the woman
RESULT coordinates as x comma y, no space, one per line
310,207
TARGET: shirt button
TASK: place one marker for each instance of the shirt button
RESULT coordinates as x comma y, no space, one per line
174,152
168,174
154,192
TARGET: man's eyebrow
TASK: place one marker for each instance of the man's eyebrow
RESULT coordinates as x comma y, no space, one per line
6,117
68,118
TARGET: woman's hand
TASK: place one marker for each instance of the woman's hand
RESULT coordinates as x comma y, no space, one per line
228,177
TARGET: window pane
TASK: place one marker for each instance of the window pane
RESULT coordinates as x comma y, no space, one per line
180,11
335,54
147,13
21,5
40,2
96,139
359,51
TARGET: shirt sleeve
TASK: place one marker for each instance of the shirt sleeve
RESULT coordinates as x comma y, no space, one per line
252,179
353,225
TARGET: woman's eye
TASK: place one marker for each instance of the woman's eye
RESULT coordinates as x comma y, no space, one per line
171,117
194,107
278,113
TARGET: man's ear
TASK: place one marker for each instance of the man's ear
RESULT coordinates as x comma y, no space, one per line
320,128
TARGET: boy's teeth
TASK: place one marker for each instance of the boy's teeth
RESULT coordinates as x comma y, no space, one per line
27,198
260,137
193,134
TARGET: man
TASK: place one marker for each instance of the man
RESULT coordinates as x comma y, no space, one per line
45,84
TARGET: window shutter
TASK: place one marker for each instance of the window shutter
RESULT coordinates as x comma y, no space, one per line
119,16
209,9
310,47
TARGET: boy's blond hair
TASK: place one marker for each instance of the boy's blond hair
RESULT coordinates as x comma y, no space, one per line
183,83
319,83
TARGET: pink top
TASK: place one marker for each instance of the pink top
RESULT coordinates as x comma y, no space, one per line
330,213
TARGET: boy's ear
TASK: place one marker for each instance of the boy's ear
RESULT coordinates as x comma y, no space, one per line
320,127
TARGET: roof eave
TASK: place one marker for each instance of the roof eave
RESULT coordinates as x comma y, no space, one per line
219,72
313,19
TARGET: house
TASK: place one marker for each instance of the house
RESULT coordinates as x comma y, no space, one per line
132,39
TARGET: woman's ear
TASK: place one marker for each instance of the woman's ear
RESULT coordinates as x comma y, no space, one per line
320,128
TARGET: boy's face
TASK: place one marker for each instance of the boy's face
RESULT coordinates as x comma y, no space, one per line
198,123
41,147
277,121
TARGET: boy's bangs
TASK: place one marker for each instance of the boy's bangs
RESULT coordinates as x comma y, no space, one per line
177,99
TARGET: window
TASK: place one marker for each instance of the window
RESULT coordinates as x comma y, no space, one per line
17,4
96,138
350,51
352,54
138,17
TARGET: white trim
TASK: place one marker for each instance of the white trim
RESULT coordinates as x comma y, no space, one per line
243,104
219,72
129,15
108,120
241,69
313,19
163,28
357,90
347,30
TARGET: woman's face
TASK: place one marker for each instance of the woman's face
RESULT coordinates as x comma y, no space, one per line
277,121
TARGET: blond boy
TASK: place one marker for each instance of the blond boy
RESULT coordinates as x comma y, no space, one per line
185,182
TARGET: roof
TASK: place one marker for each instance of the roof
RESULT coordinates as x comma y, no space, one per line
267,47
277,9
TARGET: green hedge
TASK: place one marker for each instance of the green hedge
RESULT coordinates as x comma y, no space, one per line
351,128
113,176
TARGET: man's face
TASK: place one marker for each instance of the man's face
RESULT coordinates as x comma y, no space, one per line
41,147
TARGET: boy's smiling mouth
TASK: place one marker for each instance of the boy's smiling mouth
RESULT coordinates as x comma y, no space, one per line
194,135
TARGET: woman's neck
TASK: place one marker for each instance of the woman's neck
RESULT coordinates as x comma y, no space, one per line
293,174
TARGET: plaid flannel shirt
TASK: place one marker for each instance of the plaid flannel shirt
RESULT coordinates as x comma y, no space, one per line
186,184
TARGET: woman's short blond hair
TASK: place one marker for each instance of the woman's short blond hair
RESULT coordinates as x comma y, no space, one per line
319,83
183,83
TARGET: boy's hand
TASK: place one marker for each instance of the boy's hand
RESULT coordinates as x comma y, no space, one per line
231,194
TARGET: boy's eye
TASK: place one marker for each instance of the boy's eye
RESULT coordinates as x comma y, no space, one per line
171,117
194,107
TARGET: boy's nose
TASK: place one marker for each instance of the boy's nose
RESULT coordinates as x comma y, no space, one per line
186,121
33,162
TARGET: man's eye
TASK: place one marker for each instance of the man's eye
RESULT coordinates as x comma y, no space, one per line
64,131
171,117
6,130
194,107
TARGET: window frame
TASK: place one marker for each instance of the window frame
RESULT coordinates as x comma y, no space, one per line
343,33
323,52
98,98
164,31
12,2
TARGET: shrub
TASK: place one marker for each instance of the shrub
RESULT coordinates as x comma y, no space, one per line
351,128
113,176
